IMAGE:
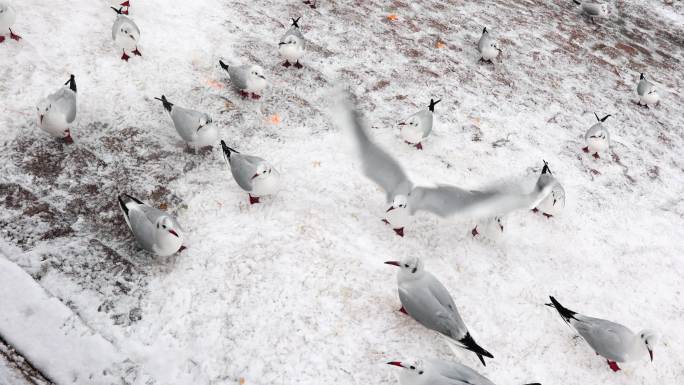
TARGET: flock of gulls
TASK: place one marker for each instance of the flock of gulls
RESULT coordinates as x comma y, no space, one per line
422,296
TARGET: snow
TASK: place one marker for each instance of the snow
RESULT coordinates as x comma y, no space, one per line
294,290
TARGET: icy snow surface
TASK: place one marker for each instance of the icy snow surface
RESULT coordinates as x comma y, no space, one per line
293,290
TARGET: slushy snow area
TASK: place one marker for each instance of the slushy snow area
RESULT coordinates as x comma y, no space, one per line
294,290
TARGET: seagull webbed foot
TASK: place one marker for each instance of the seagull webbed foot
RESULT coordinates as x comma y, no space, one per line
14,36
613,365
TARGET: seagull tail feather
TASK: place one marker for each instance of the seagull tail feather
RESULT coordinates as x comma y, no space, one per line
564,312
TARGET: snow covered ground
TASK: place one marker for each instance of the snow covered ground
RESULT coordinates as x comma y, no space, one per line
294,290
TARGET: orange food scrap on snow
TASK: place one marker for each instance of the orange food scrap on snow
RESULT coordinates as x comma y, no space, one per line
392,17
242,381
163,206
274,119
316,163
215,84
440,44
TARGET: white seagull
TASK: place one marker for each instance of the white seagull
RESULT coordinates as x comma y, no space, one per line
126,35
553,199
439,372
155,230
418,126
292,45
247,79
614,342
427,301
648,95
487,47
194,127
597,138
57,112
253,174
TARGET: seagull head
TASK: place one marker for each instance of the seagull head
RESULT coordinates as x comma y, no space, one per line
409,266
411,368
400,201
166,227
203,121
263,168
289,40
128,32
649,338
500,223
42,109
257,72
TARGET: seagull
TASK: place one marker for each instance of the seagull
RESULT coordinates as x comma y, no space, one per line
443,200
439,372
648,95
247,79
125,34
252,174
614,342
553,200
292,45
427,301
193,126
491,228
418,126
487,47
597,138
123,5
8,15
58,111
593,9
311,3
155,230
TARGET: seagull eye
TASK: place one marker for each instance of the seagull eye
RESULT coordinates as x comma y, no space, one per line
421,372
406,265
413,367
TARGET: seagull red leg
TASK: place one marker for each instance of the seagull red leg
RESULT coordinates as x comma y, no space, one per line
399,231
253,200
613,365
403,310
474,232
14,36
586,149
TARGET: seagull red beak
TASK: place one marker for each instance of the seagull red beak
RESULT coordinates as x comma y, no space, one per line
395,263
401,123
41,119
650,352
173,232
396,363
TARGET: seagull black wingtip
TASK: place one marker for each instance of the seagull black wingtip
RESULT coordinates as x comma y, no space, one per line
118,11
433,103
227,150
167,105
223,65
71,82
295,21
